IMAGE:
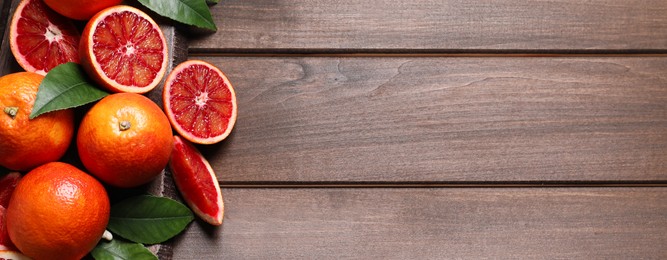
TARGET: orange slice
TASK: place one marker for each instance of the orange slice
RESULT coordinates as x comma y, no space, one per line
41,39
196,181
124,50
200,102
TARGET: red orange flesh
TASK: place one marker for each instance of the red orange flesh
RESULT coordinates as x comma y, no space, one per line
40,38
7,185
196,181
200,102
124,50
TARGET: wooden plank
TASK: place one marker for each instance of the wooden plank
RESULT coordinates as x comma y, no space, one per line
7,62
437,26
404,119
563,223
4,13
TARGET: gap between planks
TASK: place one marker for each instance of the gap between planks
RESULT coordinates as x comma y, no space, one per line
420,53
523,184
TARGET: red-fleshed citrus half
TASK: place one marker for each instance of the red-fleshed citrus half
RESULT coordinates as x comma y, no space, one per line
196,181
200,102
7,185
124,50
40,38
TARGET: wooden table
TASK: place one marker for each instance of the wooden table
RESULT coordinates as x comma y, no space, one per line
438,129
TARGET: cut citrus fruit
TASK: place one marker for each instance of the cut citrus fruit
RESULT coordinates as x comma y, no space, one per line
7,186
200,102
12,255
196,181
5,242
124,50
41,39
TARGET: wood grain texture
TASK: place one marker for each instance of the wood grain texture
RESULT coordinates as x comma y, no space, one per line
564,223
4,14
393,119
7,62
437,26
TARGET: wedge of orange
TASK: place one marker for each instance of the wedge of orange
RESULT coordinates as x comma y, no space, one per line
196,181
124,50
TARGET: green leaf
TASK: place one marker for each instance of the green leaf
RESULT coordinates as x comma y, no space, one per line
149,219
212,2
121,250
65,86
191,12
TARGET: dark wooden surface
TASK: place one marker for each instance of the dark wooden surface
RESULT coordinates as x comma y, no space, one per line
436,129
445,119
475,223
438,26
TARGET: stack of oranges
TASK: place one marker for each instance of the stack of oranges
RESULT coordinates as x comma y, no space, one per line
58,211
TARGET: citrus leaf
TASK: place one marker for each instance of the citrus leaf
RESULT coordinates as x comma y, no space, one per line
191,12
65,86
149,219
121,250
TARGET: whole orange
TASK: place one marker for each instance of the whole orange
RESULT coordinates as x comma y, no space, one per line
125,140
80,9
27,143
57,212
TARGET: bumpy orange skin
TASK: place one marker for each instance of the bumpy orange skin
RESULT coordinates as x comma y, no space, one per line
27,143
80,9
57,212
125,157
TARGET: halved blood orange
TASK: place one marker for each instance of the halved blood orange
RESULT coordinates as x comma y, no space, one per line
7,185
124,50
200,102
40,38
196,181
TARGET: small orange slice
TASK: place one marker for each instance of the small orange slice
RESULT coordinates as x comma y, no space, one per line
124,50
196,181
200,102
